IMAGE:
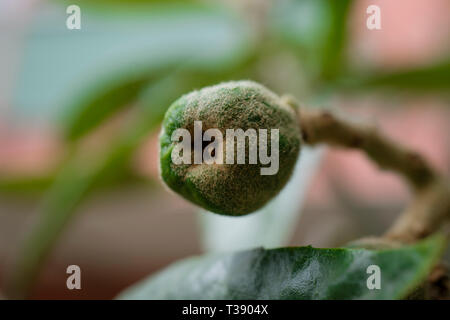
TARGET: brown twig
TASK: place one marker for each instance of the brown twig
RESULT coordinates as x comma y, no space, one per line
428,212
430,208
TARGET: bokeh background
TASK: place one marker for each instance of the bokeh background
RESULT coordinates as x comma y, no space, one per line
80,113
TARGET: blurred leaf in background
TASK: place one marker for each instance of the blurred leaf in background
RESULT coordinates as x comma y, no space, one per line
316,30
129,45
117,41
434,78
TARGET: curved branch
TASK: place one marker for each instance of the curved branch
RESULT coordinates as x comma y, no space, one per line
430,208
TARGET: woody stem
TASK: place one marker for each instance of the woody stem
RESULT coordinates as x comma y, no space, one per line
430,208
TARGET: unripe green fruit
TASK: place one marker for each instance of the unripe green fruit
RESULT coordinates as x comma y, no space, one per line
230,189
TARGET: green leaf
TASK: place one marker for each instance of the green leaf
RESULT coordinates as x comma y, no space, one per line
25,185
293,273
302,23
73,185
76,181
79,177
333,50
207,40
96,104
62,69
317,29
435,77
269,227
